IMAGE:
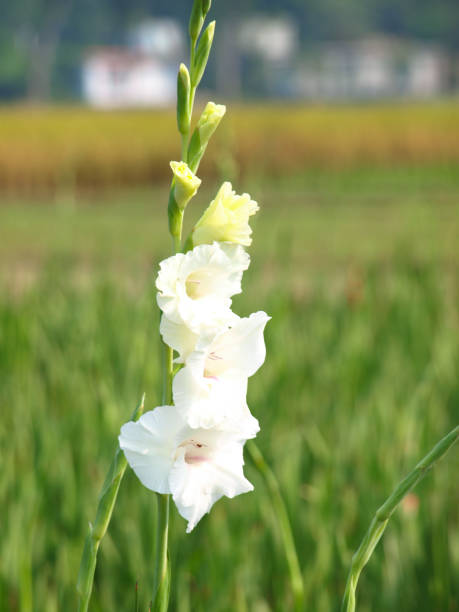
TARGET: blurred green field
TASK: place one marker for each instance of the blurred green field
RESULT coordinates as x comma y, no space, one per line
359,270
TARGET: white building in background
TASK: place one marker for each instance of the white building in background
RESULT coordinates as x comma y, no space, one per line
117,78
142,74
375,67
262,56
275,39
253,55
428,73
162,38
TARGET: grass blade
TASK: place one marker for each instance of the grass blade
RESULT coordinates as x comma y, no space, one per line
107,500
296,578
383,514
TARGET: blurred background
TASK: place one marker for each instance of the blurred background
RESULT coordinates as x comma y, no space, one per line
343,123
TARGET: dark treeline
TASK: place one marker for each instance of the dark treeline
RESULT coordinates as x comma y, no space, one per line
42,41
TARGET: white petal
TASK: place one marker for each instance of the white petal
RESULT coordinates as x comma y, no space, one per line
242,347
196,288
149,445
179,337
213,402
196,487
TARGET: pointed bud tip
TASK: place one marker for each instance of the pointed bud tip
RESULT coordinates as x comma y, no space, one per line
183,70
206,4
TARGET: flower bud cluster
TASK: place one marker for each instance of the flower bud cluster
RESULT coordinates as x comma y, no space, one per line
194,449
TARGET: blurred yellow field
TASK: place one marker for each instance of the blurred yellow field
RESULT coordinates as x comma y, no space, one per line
47,149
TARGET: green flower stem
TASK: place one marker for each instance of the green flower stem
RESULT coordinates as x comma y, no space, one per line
192,95
383,514
175,215
186,135
296,578
168,374
162,574
107,500
162,580
184,154
192,54
161,587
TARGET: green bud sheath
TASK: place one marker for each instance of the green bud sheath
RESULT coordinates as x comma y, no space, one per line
175,216
183,95
196,20
206,6
202,54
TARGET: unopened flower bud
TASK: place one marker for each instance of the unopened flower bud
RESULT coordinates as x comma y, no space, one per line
183,96
196,20
186,183
206,126
202,54
206,6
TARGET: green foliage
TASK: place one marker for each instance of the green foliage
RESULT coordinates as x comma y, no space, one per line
105,506
384,513
360,382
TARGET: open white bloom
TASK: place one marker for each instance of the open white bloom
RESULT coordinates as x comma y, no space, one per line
197,466
195,288
210,390
179,337
226,218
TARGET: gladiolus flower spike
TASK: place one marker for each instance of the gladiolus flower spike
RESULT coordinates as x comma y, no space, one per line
191,446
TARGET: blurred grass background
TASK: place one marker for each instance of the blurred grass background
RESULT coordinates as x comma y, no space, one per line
356,259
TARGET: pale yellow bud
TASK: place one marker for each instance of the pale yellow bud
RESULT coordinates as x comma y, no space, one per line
209,120
205,127
186,183
226,219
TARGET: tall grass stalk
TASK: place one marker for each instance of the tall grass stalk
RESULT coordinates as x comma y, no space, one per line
107,500
383,514
295,575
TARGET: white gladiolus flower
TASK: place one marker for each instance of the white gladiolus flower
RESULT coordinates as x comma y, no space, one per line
210,390
195,288
179,337
197,466
215,403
